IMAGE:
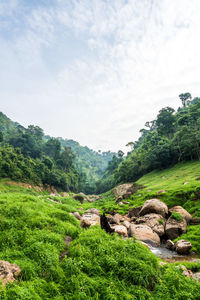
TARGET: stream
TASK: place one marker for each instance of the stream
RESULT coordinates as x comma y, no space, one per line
173,256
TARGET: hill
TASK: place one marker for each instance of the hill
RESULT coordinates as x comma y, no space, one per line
178,185
32,142
35,231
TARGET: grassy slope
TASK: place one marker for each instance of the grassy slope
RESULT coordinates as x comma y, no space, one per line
176,193
97,265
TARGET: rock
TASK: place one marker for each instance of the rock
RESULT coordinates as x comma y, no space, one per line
77,215
85,223
162,263
79,197
8,272
89,219
93,211
121,203
123,191
154,206
82,194
54,195
174,228
114,219
144,244
144,233
196,276
183,247
92,198
182,212
65,194
186,272
161,192
134,212
154,221
170,245
126,224
195,221
126,202
133,219
120,229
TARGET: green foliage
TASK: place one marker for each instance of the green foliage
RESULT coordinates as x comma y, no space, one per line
90,164
176,216
171,138
96,266
161,221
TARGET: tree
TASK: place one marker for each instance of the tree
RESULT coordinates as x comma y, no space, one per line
131,145
185,98
165,121
52,148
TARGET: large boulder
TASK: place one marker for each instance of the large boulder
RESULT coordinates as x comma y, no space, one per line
93,211
154,206
174,228
89,219
121,230
154,221
144,233
8,272
179,209
123,191
183,247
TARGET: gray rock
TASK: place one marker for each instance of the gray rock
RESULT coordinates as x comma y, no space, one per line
174,228
154,206
8,272
121,230
93,211
170,245
154,221
179,209
123,191
144,233
183,247
89,219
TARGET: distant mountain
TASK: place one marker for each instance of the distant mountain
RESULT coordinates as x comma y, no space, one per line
90,164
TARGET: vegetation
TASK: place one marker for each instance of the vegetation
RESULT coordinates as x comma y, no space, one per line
176,216
96,265
172,138
42,159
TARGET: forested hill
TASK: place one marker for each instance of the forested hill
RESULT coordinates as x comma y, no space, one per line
174,136
39,158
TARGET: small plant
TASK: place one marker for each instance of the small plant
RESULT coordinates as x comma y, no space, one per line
161,221
177,216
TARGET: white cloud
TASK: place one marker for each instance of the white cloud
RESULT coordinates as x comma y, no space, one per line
138,57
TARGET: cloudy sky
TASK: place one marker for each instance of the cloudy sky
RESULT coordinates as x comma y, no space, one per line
96,70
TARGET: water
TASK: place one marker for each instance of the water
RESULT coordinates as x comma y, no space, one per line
173,256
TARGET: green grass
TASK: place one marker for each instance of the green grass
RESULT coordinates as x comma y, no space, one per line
97,265
176,216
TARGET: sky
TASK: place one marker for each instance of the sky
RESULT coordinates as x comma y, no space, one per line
96,70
